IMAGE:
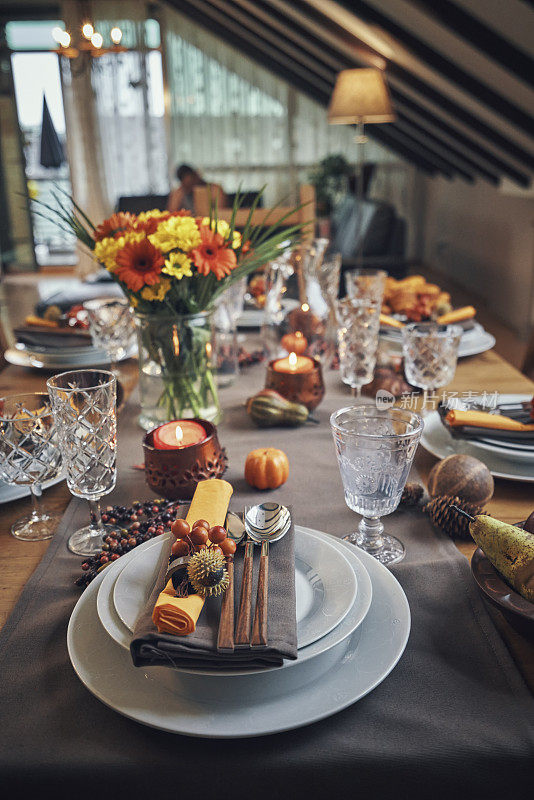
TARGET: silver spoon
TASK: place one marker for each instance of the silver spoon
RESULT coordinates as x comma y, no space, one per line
264,523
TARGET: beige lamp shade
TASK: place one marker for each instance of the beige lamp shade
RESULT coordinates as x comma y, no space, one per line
360,95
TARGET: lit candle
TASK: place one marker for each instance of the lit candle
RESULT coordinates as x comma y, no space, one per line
294,364
178,434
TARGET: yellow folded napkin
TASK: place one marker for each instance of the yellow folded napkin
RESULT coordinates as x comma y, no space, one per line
458,315
179,615
481,419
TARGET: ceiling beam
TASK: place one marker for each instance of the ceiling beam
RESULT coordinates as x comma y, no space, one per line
480,36
439,63
211,19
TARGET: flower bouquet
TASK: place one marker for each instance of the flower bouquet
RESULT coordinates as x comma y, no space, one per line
172,267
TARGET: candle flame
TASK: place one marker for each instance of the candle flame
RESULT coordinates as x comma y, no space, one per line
209,350
179,434
305,307
292,360
175,341
299,334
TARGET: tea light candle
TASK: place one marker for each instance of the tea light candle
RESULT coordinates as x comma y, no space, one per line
181,453
294,364
178,434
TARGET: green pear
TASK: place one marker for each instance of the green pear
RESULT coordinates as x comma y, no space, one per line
510,550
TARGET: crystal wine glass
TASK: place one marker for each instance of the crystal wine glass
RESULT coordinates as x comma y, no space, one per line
29,455
366,284
112,327
375,449
84,406
430,354
358,326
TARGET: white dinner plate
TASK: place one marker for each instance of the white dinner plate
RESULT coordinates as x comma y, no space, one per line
22,357
325,587
473,341
356,614
10,492
253,317
253,705
438,441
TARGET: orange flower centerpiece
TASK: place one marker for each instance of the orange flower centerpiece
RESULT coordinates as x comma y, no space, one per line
172,267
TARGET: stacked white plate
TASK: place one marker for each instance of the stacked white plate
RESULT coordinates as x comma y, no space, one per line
61,358
514,461
353,622
473,341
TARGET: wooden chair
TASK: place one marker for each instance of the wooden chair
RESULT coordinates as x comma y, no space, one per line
305,215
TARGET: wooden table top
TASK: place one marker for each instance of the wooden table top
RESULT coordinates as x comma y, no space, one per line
511,502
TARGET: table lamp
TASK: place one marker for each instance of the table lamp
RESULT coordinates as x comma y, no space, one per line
360,96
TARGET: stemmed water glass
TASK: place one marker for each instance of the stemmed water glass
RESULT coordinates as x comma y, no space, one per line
112,327
366,284
358,327
375,449
84,407
430,354
29,455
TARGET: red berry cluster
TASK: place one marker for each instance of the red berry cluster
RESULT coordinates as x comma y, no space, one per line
192,539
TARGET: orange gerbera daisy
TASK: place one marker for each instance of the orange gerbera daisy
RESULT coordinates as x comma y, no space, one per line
139,264
114,226
149,225
212,256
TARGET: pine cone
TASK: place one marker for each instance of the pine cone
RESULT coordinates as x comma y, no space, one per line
414,494
450,521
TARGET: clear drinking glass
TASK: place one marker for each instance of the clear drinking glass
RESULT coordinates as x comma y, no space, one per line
366,284
375,449
112,327
430,354
358,326
84,406
224,341
29,455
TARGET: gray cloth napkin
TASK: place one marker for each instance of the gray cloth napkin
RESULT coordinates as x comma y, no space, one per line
149,647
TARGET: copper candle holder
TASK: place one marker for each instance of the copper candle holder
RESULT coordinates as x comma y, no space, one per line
174,474
299,387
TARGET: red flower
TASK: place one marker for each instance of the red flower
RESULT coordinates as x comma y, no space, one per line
212,256
139,264
114,226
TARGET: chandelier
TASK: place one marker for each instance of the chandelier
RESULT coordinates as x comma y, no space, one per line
88,42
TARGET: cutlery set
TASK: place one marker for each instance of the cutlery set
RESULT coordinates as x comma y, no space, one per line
261,525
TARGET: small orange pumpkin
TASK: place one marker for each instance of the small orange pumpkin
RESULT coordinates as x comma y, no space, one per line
294,343
266,468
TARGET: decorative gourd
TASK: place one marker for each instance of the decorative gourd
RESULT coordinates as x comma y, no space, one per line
268,408
266,468
294,343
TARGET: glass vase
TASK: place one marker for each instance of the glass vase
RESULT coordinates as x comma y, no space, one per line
176,374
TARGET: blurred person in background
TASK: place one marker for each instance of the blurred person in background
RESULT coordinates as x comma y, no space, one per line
182,196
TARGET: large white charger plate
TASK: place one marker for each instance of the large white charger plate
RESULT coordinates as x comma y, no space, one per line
474,341
253,705
325,587
356,614
22,357
10,492
438,441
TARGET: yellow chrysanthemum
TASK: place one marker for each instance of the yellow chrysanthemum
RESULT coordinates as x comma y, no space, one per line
106,249
155,212
175,232
156,292
178,265
223,228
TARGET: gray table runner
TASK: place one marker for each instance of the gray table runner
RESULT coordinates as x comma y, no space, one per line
454,718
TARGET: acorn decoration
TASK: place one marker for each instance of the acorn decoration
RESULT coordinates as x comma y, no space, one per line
444,516
414,495
461,476
207,573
